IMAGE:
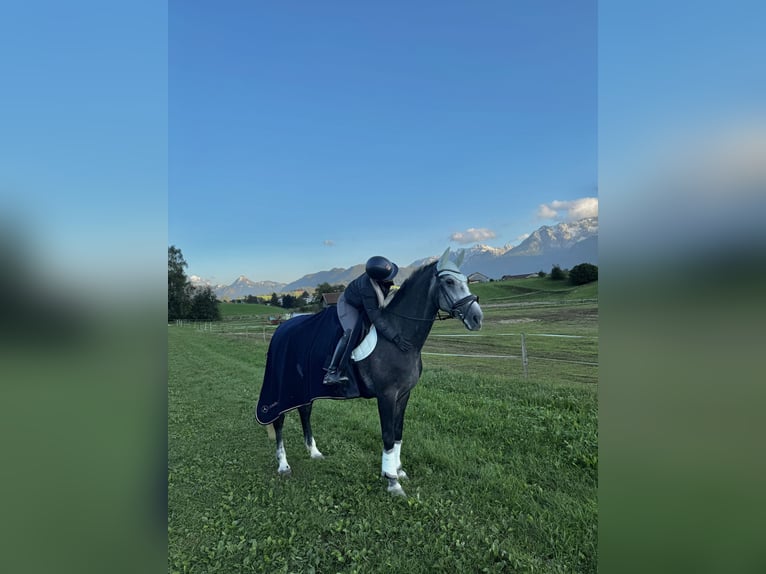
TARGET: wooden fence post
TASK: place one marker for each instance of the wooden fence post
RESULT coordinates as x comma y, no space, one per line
524,360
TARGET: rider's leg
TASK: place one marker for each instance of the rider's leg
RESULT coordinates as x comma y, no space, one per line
348,317
334,375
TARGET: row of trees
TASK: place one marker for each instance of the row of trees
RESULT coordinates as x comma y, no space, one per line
289,301
286,301
578,275
185,301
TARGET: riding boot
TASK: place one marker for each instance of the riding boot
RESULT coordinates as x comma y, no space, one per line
334,375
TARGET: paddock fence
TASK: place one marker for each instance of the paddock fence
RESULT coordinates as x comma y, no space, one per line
531,351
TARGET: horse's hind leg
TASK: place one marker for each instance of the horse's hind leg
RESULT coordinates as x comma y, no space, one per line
308,437
284,468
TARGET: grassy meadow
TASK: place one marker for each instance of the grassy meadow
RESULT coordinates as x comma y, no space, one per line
503,468
236,311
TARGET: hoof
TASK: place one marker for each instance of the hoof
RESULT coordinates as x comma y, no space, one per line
285,472
396,490
313,450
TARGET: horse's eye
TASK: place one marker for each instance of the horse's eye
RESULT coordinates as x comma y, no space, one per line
450,281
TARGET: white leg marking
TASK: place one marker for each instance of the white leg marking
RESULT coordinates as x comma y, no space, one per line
313,450
398,461
389,471
388,464
284,468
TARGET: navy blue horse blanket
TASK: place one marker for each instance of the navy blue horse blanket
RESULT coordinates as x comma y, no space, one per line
300,349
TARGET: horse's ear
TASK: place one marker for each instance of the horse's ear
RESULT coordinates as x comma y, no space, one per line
443,261
460,258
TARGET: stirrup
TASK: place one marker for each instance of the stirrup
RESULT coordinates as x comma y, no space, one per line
334,378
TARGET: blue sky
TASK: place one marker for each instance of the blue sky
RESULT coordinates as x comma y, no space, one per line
83,137
378,129
305,136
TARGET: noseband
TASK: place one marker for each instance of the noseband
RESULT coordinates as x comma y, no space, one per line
459,308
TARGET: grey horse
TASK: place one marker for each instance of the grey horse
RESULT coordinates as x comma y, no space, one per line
392,373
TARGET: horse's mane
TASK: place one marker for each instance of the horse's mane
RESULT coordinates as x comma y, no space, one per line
413,280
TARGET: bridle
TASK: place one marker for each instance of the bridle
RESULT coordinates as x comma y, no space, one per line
458,309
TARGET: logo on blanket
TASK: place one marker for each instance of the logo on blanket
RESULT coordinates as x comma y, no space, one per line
266,408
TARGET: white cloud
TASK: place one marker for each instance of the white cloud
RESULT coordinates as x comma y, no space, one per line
572,210
472,235
328,243
545,212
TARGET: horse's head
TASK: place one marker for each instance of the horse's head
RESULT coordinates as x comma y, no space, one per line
454,296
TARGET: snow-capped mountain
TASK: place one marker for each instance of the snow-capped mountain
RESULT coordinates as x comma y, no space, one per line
561,236
198,281
564,244
470,252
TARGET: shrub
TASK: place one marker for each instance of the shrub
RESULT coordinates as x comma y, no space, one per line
557,274
583,273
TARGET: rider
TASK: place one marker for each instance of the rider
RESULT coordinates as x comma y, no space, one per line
365,293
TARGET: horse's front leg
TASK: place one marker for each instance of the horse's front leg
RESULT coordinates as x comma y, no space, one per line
401,407
284,468
387,410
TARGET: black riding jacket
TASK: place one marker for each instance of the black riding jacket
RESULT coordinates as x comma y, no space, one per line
361,295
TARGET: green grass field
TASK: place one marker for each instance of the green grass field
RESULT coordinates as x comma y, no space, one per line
503,470
232,311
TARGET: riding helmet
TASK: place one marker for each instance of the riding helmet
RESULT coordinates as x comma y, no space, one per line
381,269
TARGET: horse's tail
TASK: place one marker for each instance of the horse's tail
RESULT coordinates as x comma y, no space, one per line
270,431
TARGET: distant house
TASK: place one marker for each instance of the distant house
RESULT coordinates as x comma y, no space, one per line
330,299
477,278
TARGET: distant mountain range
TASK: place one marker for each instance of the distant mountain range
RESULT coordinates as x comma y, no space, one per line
241,287
565,244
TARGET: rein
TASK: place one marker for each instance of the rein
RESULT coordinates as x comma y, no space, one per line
438,317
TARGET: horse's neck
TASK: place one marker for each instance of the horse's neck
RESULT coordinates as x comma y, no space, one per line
415,320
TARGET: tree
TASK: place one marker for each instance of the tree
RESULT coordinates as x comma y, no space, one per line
557,274
289,301
583,273
179,288
204,305
541,273
274,301
184,300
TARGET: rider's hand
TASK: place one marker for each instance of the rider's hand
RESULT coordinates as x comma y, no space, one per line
403,344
